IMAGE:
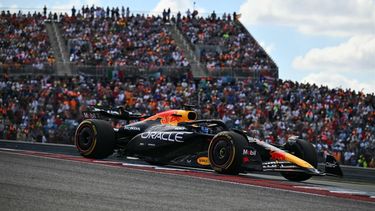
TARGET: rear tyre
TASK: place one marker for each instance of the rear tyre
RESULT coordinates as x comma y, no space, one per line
95,139
304,150
225,152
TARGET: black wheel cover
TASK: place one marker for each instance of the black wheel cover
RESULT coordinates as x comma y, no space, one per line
225,152
222,152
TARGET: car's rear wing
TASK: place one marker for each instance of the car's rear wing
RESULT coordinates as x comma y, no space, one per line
113,113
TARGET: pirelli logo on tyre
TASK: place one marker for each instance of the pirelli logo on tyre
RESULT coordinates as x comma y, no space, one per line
224,135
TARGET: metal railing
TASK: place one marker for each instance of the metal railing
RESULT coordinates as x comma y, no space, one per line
134,71
244,72
127,71
17,69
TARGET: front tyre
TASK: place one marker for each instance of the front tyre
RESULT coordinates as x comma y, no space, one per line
95,139
304,150
225,152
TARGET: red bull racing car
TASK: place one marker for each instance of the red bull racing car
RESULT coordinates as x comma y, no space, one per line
176,137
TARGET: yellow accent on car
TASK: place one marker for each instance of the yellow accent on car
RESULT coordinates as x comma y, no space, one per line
296,160
203,161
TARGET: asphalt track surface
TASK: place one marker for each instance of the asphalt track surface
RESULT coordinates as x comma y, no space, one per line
39,183
31,182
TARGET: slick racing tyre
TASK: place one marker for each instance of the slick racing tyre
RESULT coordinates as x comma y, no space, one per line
304,150
225,152
95,139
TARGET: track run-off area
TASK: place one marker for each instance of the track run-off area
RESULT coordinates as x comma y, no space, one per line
45,177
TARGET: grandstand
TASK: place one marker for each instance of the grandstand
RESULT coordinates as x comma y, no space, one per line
180,59
98,41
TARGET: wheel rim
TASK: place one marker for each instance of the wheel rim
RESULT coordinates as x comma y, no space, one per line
222,152
85,138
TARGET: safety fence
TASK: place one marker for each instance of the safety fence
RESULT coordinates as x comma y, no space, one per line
134,71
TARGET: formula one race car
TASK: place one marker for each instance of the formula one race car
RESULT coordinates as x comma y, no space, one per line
175,137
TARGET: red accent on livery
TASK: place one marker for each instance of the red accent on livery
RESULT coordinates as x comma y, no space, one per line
277,155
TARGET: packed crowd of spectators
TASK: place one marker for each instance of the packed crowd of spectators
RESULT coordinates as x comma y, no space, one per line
24,40
112,38
115,37
47,109
236,48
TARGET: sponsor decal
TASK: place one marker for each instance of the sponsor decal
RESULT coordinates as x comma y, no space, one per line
179,128
223,136
164,136
278,165
203,161
113,112
228,136
132,128
249,152
331,165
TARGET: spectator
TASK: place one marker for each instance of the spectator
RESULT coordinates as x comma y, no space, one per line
213,16
178,18
188,13
127,12
73,12
122,12
165,16
45,11
169,14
